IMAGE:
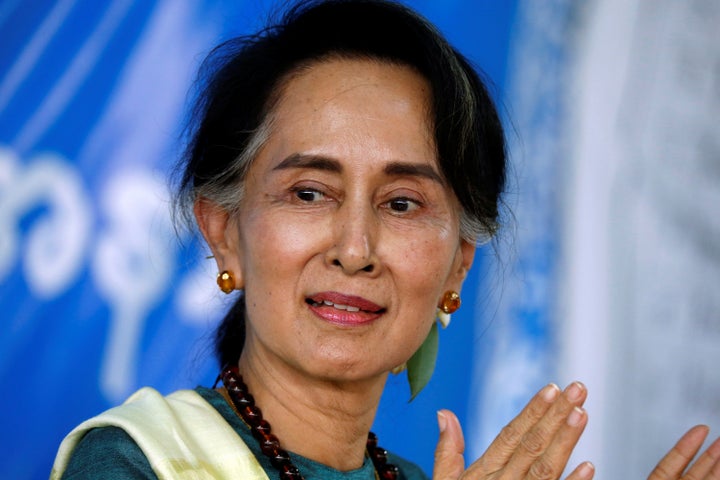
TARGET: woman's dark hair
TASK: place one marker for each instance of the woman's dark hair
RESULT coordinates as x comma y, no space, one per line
243,78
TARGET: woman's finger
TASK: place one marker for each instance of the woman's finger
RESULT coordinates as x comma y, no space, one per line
679,457
707,466
449,461
584,471
503,447
531,457
552,462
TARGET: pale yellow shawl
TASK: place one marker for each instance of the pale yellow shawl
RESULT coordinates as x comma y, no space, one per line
182,436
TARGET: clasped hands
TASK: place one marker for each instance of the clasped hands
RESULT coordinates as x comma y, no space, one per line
537,444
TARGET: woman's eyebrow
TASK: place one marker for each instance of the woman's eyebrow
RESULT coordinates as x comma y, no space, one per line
395,169
317,162
414,170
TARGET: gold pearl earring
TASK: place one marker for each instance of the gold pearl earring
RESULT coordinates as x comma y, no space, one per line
449,304
225,281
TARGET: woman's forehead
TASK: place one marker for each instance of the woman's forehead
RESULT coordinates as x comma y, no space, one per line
359,84
362,103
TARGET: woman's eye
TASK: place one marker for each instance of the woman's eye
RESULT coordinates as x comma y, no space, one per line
402,205
309,195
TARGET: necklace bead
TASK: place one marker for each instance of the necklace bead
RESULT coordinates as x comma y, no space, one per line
244,403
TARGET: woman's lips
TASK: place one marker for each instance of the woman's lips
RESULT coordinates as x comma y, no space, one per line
344,309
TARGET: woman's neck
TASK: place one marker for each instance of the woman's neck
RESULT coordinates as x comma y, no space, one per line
323,420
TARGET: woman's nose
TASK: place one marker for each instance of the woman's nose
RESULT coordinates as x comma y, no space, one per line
353,250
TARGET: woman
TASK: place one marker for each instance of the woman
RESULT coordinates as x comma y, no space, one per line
344,165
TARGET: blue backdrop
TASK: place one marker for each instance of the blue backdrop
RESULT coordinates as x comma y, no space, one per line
97,295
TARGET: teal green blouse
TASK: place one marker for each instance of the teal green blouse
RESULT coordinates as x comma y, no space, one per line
110,453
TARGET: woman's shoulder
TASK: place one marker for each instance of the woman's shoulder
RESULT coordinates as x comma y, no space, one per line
149,437
108,452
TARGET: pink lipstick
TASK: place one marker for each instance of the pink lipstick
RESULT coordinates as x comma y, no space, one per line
344,309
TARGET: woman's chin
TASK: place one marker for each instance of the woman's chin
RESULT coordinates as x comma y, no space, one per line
340,371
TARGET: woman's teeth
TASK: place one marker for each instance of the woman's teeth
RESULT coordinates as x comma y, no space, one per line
341,307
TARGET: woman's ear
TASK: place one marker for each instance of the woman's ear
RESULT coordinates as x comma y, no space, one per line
463,261
221,234
467,251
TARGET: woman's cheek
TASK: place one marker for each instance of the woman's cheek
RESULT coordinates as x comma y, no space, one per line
289,233
424,254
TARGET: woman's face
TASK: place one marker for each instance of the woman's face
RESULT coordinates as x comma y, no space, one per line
347,237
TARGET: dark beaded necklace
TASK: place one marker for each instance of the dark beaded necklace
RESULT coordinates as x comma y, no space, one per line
270,445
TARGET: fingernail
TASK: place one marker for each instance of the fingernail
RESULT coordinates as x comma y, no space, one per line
442,421
575,416
550,393
586,470
574,391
